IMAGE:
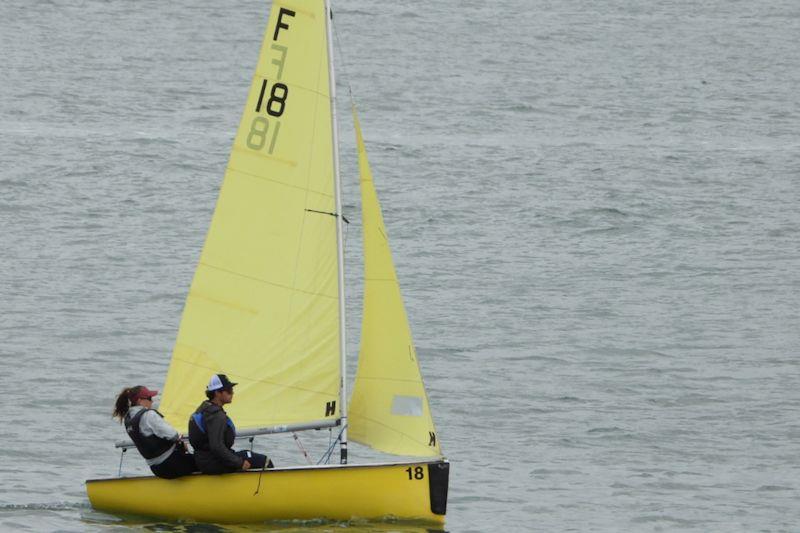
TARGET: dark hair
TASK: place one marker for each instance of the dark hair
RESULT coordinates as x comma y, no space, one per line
123,403
210,393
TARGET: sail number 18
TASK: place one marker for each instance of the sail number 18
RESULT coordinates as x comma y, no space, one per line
277,96
417,473
260,127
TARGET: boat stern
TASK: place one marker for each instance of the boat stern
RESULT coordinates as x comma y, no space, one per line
438,482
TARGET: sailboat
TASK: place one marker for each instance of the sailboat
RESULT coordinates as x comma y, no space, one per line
266,307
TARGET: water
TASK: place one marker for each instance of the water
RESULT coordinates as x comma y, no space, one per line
593,210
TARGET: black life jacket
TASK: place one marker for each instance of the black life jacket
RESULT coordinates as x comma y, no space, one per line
151,446
198,436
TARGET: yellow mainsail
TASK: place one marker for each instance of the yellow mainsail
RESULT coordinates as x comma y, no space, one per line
389,409
263,307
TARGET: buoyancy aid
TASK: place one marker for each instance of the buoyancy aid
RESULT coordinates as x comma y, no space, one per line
150,446
198,436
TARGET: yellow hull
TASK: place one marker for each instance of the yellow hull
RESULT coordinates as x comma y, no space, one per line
412,491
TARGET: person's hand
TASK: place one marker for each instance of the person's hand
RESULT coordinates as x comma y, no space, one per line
245,465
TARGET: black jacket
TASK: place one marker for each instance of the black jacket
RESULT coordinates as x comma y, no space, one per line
212,440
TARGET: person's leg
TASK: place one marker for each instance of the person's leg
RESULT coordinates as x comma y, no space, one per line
185,464
208,464
178,464
257,460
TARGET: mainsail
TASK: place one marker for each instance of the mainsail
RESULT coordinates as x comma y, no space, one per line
263,307
389,409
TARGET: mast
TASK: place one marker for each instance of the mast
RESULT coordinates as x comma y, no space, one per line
339,239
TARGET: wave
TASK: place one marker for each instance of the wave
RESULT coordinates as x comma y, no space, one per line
56,506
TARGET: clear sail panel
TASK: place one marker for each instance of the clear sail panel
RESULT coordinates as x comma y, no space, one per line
389,409
263,304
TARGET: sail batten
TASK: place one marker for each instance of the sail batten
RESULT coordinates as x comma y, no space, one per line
389,410
263,307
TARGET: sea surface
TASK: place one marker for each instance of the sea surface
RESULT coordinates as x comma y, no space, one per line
594,208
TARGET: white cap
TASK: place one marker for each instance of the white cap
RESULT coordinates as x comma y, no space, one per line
219,381
214,383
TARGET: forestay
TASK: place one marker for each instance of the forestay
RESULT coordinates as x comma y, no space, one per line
389,409
263,307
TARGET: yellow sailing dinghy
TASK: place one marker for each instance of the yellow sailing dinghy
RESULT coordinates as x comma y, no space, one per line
266,307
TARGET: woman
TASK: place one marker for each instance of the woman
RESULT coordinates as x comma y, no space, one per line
157,441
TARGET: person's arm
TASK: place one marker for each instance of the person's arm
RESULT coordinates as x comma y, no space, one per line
215,426
152,424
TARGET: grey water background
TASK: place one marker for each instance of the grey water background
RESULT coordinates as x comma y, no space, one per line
593,208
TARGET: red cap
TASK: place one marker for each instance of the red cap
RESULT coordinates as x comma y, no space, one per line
142,393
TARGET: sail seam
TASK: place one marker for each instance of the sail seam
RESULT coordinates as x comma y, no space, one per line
251,153
296,86
243,378
389,379
310,293
272,180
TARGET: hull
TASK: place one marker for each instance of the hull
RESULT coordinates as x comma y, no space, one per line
408,491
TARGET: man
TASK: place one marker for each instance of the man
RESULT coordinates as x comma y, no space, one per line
212,433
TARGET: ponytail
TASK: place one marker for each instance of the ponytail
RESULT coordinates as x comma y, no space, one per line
123,403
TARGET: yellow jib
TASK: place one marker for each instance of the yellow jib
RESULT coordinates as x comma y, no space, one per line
389,409
263,305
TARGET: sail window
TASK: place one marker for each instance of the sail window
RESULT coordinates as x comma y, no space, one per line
407,405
